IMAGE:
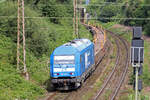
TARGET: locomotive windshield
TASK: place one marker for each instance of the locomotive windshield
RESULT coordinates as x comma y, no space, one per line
64,59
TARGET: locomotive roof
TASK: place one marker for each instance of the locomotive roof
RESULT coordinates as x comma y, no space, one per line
72,47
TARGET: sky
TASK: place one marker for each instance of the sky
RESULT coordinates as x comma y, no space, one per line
87,2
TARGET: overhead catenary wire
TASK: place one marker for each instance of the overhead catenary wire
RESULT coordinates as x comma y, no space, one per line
12,29
97,4
103,5
111,18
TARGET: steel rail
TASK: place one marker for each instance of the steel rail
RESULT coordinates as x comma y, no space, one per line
51,96
96,65
110,75
125,70
100,59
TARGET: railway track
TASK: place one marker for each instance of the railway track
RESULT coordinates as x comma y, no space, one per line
110,79
58,95
51,96
125,70
72,94
67,97
77,95
90,81
110,75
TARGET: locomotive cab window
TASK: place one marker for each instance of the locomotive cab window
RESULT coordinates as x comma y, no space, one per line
64,59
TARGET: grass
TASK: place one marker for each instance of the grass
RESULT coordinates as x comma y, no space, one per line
146,76
12,83
127,34
2,1
129,95
101,79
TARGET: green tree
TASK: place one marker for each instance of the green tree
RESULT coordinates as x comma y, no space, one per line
55,13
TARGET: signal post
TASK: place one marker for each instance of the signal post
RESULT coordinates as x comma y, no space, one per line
137,58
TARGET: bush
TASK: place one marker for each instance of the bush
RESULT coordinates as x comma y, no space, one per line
42,37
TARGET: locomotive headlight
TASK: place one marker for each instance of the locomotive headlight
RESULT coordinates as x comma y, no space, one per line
56,73
71,73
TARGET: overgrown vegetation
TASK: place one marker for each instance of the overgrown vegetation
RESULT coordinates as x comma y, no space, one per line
43,35
12,84
48,26
126,12
127,34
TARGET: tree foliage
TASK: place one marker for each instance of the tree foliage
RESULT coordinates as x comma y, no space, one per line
43,35
137,9
56,12
134,9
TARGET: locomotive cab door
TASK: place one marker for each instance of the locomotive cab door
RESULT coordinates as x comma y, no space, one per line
82,64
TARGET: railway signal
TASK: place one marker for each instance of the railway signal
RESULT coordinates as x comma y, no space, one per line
137,58
140,70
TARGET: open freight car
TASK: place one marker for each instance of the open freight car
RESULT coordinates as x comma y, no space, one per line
71,64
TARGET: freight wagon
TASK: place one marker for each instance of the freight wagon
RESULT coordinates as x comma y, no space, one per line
71,64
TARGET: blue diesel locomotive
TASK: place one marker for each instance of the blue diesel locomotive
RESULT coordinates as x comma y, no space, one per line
71,64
